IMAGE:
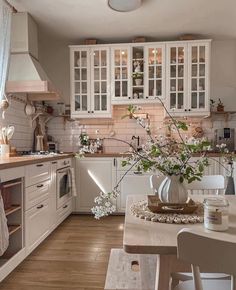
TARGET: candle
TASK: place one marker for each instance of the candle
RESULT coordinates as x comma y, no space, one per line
216,213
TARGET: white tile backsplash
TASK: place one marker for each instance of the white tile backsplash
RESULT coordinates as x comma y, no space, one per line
23,136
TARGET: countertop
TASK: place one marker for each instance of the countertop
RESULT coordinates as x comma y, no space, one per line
17,161
27,160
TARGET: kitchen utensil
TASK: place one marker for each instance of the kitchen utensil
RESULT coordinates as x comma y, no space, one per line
29,109
9,132
4,137
4,106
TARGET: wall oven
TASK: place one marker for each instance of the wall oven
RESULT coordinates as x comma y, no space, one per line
64,184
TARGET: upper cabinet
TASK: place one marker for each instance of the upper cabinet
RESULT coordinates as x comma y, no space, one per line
187,78
90,82
139,73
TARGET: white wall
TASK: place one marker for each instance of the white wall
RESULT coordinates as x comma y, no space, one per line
23,136
223,73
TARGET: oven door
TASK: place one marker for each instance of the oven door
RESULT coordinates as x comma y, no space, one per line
63,186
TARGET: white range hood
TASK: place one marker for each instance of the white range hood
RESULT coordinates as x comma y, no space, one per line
26,75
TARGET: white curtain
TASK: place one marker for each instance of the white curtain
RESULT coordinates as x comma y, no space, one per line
5,32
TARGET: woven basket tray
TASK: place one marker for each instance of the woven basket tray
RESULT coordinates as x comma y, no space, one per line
156,206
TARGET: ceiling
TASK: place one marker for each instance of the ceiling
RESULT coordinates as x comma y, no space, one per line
74,20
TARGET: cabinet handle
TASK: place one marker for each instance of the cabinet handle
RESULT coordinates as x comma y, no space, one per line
138,172
114,162
39,165
40,185
54,162
89,112
40,206
147,97
185,110
65,206
92,112
189,110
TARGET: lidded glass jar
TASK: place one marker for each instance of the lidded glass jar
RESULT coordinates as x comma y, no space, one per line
216,213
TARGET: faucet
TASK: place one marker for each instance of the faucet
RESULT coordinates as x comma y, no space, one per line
137,142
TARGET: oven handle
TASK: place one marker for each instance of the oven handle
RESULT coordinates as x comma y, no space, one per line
63,171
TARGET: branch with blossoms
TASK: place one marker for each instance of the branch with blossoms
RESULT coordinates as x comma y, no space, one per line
162,155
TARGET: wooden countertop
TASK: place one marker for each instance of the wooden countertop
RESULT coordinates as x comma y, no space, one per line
17,161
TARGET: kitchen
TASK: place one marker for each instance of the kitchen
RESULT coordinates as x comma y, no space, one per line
73,92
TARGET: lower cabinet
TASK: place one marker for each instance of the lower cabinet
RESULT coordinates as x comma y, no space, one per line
132,184
93,175
63,212
37,225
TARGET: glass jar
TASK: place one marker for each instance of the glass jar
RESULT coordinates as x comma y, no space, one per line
216,213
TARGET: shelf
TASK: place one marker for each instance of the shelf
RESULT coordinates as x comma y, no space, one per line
7,185
13,228
138,86
12,209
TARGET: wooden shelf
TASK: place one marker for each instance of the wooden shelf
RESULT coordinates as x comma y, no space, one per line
12,209
13,228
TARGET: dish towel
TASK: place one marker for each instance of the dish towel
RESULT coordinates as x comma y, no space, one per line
73,185
4,233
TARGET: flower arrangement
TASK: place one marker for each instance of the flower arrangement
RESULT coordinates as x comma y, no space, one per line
161,154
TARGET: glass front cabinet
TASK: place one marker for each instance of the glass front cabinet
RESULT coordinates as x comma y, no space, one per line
138,73
187,77
90,82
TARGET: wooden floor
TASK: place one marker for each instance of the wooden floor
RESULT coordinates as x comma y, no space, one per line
74,256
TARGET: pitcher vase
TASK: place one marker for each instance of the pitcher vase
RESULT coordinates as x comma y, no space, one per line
172,190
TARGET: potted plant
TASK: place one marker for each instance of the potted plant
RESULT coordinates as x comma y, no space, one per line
138,78
220,106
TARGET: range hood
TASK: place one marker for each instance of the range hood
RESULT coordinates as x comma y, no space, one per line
26,75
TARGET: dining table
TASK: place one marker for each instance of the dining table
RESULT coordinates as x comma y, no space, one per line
146,237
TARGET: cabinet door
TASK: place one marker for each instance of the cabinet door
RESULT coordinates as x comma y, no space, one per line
80,82
155,71
132,184
100,82
94,175
176,80
198,76
120,74
138,73
36,225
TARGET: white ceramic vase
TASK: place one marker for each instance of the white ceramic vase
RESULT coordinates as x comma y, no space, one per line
172,190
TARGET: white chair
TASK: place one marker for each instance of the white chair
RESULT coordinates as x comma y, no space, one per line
203,250
208,184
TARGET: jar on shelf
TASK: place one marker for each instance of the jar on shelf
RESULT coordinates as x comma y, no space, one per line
216,213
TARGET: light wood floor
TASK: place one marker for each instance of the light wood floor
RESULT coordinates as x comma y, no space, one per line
74,256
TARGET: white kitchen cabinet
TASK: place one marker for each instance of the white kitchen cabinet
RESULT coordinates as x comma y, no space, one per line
36,225
187,77
120,74
134,183
37,173
93,175
147,61
90,82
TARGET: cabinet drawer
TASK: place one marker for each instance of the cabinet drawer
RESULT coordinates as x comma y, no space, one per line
36,193
36,173
64,211
36,225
